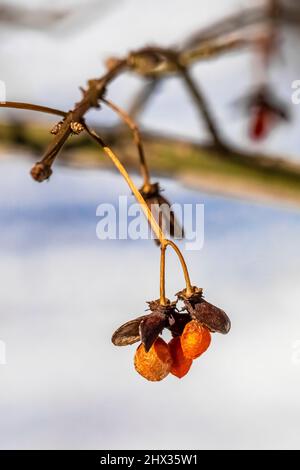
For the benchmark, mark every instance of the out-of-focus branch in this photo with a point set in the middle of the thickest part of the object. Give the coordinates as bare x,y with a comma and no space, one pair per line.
143,96
202,107
224,36
156,63
211,49
244,19
56,20
29,17
225,26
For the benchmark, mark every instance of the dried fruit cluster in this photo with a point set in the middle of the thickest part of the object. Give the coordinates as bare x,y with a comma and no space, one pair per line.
191,328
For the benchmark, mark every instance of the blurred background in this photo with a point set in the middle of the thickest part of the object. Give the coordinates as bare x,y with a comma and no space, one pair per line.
63,292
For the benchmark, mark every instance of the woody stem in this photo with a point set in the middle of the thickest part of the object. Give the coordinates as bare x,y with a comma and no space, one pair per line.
136,136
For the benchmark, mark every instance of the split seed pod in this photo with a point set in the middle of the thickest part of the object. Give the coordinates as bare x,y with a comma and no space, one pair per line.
205,313
146,328
129,333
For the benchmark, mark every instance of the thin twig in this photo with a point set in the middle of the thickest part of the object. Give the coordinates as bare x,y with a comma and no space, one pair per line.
154,225
91,96
149,216
33,107
189,287
136,136
162,297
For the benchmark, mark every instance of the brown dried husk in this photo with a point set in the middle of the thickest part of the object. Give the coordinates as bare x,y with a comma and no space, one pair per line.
128,333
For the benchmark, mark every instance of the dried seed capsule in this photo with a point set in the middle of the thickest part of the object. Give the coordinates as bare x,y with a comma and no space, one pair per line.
146,328
151,327
156,364
211,316
128,333
180,363
195,339
177,322
208,314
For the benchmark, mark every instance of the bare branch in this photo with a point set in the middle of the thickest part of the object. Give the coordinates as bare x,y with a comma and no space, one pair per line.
155,63
91,96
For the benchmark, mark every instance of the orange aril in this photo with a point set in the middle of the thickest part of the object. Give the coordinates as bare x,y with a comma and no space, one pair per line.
180,363
155,364
195,339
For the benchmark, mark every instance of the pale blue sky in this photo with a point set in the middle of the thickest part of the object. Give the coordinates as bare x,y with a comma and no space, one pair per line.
63,292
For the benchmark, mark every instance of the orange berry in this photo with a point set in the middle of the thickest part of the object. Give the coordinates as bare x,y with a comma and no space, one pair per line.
195,339
180,363
155,364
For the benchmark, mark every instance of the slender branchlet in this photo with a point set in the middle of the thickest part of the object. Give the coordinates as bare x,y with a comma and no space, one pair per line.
137,139
33,107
